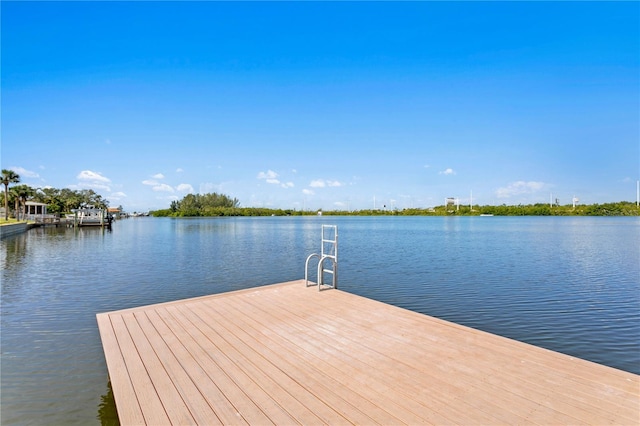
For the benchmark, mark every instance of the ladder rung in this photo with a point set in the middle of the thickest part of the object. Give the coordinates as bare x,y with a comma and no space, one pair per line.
330,271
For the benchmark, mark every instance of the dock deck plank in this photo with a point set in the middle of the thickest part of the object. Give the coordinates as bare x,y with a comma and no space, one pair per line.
126,398
287,354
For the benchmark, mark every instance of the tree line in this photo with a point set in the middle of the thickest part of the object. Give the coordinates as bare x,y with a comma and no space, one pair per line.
622,208
222,205
57,200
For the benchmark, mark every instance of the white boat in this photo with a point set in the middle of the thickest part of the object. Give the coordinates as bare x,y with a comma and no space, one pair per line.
89,216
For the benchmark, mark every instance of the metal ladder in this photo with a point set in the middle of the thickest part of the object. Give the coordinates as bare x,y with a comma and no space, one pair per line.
328,251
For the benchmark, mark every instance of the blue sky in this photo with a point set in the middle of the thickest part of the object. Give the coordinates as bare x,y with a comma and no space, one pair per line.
324,105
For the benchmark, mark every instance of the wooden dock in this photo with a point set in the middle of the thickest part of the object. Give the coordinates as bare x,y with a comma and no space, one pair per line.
287,354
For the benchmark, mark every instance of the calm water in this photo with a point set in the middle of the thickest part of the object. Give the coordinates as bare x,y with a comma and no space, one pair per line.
567,284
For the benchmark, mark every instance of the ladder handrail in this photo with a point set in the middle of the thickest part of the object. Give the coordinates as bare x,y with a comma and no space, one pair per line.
322,257
306,268
333,272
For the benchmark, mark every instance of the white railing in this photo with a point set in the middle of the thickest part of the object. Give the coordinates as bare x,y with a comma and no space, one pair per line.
42,218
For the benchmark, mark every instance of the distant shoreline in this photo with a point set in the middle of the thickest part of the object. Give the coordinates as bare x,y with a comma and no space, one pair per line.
623,208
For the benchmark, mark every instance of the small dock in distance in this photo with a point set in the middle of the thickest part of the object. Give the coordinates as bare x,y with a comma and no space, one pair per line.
289,354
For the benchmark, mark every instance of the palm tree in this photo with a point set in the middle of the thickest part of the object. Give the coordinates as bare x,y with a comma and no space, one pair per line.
23,193
13,193
8,177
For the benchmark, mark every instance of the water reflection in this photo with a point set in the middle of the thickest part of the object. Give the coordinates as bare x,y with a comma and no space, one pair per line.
107,413
12,252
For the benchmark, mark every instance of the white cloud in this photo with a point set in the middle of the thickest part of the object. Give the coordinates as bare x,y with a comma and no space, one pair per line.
426,166
163,187
98,186
179,170
158,176
116,197
157,186
519,188
184,187
321,183
339,204
287,185
269,174
90,185
307,192
89,176
208,187
447,172
92,180
24,173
